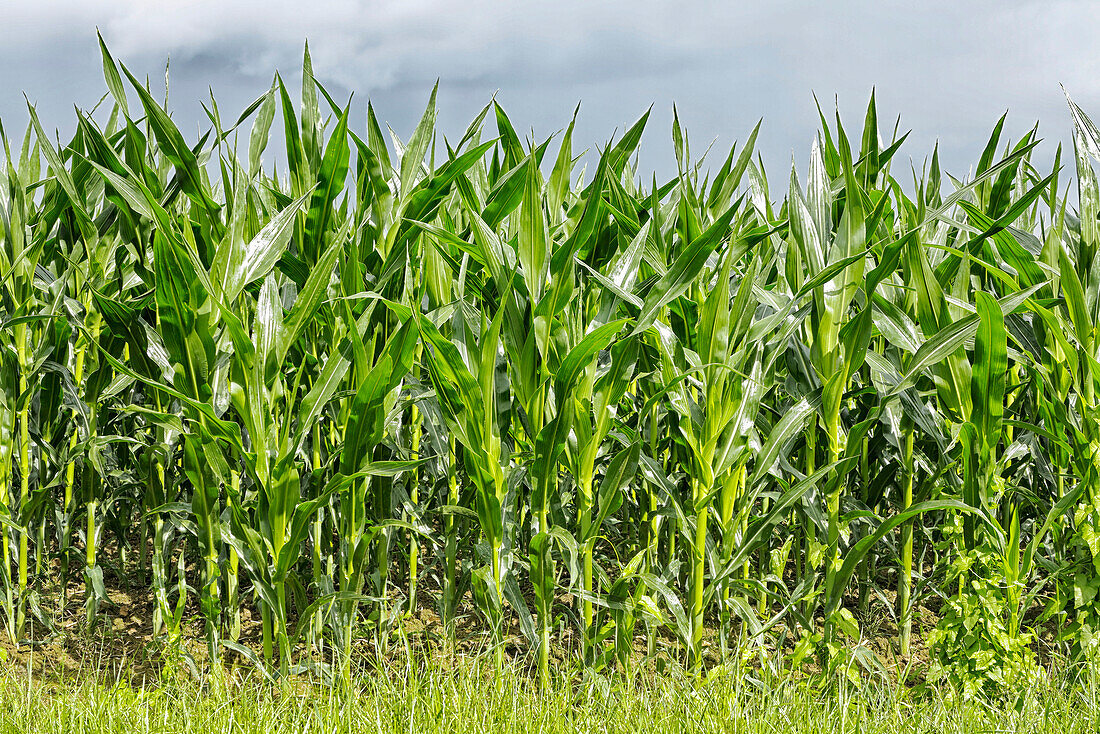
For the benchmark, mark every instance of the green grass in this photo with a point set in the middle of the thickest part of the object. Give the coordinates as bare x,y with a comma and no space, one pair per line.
471,697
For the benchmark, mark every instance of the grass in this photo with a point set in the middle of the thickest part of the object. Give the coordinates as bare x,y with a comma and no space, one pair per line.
469,695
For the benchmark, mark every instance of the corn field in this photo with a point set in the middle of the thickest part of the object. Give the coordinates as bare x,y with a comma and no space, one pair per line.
563,408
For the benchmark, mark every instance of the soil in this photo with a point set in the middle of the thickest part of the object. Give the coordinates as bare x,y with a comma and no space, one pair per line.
120,644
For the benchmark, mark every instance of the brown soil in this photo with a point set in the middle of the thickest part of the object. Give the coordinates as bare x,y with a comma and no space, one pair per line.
121,645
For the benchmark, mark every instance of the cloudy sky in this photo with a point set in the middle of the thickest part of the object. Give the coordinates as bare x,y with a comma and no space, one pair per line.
949,69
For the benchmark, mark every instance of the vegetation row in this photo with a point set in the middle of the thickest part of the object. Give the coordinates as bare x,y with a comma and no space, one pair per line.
554,403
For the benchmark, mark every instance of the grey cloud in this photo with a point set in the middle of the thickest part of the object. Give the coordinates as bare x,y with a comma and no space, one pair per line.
948,68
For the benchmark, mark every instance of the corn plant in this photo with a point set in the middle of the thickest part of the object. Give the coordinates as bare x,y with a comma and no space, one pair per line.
390,376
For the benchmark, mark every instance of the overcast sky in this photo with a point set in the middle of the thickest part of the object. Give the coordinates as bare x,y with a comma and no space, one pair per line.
949,69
